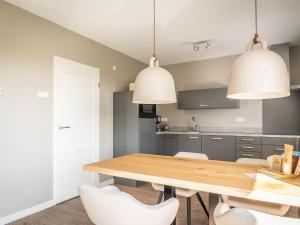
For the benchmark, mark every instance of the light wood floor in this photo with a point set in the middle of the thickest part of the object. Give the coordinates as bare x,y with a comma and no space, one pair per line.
72,212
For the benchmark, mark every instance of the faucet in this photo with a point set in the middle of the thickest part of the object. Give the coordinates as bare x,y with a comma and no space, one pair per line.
195,124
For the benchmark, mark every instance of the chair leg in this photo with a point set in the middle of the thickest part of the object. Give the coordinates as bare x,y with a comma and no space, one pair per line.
202,204
188,211
161,194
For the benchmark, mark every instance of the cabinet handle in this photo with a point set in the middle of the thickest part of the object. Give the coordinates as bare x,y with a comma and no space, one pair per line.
247,139
247,155
217,138
247,147
204,105
194,137
279,149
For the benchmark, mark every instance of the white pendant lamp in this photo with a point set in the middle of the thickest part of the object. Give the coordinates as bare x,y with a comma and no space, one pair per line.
154,85
258,74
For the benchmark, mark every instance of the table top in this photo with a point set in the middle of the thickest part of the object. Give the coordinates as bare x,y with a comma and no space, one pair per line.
219,177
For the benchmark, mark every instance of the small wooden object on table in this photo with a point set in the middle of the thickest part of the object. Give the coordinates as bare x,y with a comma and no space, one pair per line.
274,173
281,166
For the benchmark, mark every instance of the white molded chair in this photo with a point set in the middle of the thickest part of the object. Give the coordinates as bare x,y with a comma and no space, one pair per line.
265,207
185,192
224,215
110,206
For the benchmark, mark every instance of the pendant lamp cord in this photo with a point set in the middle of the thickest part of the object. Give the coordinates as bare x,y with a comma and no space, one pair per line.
154,30
255,41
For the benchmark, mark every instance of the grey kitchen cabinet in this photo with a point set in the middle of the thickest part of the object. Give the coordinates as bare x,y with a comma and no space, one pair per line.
224,147
131,134
285,119
189,143
170,144
160,144
279,141
125,124
219,147
268,150
275,145
206,99
248,148
248,140
248,154
148,141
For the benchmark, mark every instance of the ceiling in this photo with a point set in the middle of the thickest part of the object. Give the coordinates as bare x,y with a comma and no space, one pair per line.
127,25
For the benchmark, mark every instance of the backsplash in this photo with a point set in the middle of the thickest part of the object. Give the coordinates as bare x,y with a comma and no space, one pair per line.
216,120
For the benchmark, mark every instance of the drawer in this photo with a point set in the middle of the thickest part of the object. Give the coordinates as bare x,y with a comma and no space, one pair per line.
268,150
278,141
248,147
248,140
242,154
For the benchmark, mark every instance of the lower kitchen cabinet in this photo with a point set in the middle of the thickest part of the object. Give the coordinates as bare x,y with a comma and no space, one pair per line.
279,141
268,150
170,144
248,154
223,147
189,143
248,147
275,145
219,147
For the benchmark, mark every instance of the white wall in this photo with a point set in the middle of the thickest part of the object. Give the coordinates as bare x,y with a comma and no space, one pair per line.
27,46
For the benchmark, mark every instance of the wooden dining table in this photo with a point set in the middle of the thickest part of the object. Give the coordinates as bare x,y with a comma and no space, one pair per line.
214,177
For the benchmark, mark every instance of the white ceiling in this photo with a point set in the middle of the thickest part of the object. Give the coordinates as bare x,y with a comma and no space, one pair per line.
126,25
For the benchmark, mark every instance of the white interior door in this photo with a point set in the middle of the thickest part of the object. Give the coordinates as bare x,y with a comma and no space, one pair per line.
76,126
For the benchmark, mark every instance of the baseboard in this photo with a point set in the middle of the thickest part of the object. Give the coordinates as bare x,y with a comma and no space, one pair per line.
26,212
40,207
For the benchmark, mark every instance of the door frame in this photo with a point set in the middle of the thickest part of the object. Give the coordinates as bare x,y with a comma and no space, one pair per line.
55,122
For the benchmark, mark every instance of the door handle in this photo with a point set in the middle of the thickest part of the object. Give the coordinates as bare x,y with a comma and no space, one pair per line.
64,127
279,149
194,137
203,105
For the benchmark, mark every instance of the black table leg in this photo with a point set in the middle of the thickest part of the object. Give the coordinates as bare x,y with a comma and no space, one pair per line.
213,201
170,192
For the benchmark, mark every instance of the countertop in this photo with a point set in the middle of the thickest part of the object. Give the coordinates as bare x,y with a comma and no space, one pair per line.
227,133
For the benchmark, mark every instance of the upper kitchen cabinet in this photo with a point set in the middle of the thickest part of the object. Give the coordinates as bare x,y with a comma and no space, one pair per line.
206,99
281,115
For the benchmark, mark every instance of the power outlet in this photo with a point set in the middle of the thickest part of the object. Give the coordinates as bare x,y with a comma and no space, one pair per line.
164,119
1,91
240,119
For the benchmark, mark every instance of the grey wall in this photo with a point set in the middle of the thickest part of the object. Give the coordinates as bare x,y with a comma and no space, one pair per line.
210,73
27,46
295,65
